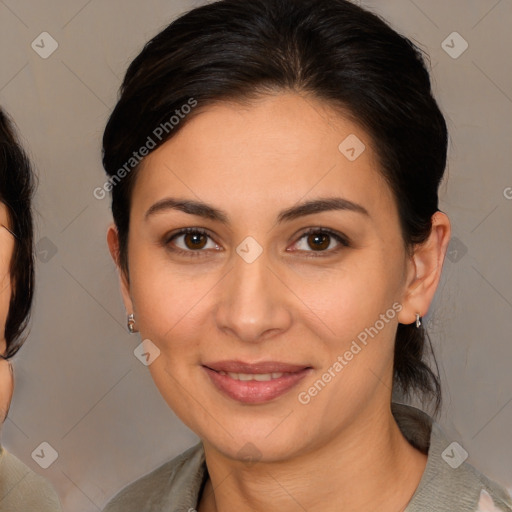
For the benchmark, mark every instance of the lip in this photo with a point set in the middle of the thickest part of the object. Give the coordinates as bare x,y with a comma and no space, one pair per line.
253,391
235,366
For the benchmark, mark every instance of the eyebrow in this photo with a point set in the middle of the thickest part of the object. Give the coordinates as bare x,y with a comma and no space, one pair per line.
207,211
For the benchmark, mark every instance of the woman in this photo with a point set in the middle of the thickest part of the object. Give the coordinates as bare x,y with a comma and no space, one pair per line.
20,488
274,168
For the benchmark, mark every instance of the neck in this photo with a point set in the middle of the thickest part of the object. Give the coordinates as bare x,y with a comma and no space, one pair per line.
368,466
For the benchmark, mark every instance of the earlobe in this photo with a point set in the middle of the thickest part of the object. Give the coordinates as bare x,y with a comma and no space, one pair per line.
427,260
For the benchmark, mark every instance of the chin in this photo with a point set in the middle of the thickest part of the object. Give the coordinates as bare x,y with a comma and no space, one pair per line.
258,442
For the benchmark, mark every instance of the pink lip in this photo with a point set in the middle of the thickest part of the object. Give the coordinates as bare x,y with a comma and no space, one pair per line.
255,392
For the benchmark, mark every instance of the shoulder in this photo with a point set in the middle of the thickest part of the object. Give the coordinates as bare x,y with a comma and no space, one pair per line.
452,484
23,489
448,483
174,485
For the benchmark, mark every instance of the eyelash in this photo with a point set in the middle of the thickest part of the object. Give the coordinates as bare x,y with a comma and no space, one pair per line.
341,239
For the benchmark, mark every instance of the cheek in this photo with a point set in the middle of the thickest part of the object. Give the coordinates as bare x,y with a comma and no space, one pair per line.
168,302
170,308
350,297
163,301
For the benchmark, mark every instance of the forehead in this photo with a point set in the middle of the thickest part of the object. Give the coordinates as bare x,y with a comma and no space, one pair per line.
274,150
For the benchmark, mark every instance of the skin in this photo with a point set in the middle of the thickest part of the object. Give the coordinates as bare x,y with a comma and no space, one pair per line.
6,251
293,304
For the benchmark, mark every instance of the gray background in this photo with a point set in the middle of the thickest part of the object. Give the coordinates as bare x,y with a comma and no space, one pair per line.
79,386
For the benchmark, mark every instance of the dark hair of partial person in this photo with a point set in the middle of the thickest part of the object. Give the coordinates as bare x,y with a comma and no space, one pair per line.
16,189
333,50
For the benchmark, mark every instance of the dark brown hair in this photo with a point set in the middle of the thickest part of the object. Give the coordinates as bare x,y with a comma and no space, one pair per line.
332,49
16,189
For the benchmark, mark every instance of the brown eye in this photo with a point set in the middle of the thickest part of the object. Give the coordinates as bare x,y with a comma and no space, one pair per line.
191,242
319,241
195,240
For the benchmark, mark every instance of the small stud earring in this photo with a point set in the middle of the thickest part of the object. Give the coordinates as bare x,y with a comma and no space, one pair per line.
418,321
131,324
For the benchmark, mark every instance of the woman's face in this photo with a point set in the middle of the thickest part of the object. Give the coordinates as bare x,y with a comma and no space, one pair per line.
6,251
254,295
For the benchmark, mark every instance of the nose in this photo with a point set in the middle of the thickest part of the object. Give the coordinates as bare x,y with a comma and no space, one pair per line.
254,304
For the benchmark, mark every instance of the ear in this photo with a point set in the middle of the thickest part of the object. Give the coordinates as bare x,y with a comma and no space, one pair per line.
113,245
424,273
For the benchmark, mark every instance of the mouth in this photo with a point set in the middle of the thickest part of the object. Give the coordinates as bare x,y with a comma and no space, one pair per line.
260,377
255,383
